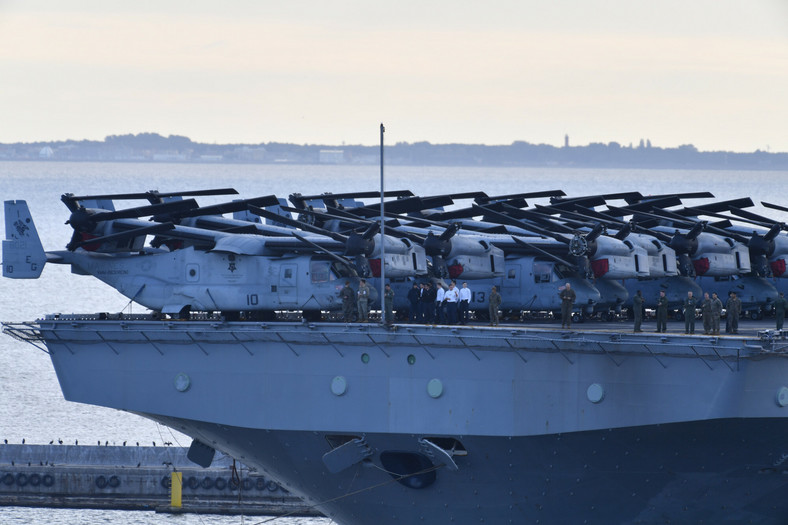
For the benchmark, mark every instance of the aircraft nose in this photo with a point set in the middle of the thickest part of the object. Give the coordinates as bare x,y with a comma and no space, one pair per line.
587,295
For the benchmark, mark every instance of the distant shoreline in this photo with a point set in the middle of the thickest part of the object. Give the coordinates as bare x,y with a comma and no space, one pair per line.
151,147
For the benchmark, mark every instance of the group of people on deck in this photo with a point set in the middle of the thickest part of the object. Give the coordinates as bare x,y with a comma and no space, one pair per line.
429,304
445,305
711,312
450,305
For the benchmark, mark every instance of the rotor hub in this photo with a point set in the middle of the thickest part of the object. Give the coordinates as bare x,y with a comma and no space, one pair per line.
578,245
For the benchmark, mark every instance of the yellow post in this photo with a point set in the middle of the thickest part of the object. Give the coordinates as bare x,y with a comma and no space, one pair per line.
175,489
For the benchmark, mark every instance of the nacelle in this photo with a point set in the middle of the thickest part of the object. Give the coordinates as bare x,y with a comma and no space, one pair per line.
778,259
718,256
614,259
661,257
402,259
474,259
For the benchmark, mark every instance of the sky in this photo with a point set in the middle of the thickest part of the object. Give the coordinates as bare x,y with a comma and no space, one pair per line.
712,73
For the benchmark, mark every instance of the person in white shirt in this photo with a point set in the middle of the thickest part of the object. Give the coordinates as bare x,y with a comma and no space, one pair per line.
439,314
452,297
465,301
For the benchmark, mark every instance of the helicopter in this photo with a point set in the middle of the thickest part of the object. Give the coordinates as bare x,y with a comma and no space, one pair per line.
217,271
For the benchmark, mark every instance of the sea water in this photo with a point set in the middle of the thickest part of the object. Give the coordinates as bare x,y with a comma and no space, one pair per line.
31,404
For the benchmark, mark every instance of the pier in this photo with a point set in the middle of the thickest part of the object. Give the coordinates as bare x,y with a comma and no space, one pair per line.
136,478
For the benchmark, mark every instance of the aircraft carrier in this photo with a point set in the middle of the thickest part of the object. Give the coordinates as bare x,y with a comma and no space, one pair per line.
438,421
457,424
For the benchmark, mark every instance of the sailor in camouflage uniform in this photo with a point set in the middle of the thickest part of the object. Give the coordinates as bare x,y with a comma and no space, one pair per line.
363,302
733,309
662,312
348,296
716,313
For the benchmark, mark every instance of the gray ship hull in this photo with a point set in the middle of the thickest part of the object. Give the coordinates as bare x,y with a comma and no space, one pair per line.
697,472
459,424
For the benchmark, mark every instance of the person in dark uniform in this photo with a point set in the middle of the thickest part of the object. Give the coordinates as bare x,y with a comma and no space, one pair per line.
637,310
662,312
716,313
689,313
414,295
428,303
705,308
780,305
568,297
733,309
362,301
348,296
388,304
495,303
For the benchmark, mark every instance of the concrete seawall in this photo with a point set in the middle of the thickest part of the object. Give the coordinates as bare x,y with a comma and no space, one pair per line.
135,477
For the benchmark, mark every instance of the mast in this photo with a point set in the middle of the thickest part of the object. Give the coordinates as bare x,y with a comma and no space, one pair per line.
382,234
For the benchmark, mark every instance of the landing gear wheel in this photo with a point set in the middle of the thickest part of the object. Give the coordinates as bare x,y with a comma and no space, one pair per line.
312,316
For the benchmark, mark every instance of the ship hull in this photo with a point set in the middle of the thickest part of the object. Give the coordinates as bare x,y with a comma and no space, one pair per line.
696,472
459,424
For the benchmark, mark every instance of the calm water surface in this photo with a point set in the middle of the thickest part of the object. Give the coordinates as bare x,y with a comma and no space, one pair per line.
32,407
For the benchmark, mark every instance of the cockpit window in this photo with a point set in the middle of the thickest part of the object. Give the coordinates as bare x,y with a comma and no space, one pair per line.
320,271
562,271
543,272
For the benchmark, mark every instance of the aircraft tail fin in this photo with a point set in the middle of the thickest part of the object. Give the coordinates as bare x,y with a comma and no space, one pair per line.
23,253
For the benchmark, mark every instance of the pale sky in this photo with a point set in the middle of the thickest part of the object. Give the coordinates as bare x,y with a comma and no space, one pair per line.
713,73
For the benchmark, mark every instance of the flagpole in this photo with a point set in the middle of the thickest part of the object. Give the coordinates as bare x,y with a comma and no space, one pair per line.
382,235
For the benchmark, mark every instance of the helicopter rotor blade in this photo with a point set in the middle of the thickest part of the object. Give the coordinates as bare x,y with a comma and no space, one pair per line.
297,198
115,237
228,207
533,216
716,207
341,216
543,252
144,211
521,224
343,260
754,218
152,195
527,195
745,217
691,195
775,206
296,224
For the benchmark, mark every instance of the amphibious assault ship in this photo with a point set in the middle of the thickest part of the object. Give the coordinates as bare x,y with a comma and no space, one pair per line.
403,422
